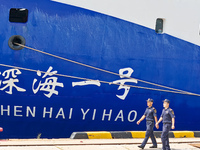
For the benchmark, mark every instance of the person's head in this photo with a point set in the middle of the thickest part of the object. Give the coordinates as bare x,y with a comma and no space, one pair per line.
149,102
166,103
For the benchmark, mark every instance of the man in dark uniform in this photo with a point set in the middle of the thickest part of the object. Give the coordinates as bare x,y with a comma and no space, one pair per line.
168,118
151,115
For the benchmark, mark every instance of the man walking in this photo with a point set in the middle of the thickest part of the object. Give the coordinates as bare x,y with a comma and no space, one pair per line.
151,116
168,118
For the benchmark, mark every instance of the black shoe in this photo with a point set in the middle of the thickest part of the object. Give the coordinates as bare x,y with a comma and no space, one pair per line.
141,147
153,146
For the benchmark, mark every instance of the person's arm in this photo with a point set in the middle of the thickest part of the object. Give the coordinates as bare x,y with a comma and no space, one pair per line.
156,120
142,118
161,118
157,126
155,115
173,122
173,118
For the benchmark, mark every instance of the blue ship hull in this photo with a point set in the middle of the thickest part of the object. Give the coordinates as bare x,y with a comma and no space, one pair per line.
98,40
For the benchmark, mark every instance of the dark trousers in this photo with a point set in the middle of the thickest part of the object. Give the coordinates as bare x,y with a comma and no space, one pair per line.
149,133
165,136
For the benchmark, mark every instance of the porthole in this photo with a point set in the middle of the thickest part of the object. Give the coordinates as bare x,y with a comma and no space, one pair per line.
18,15
159,26
16,39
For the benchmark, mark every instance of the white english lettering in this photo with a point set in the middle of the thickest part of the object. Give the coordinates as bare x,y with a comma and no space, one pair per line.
60,113
5,110
16,110
84,113
29,111
70,113
120,116
47,112
109,115
94,114
129,115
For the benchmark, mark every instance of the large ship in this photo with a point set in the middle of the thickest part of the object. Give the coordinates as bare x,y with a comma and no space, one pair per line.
85,65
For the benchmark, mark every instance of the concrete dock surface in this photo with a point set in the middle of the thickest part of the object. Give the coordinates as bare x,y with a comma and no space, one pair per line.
94,144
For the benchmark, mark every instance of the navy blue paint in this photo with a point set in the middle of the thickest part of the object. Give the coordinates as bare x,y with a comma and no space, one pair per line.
100,41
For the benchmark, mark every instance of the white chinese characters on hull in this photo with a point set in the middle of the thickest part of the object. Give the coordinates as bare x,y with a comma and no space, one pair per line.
49,85
123,74
10,76
123,81
49,82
